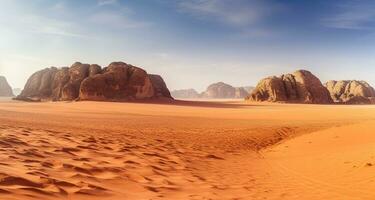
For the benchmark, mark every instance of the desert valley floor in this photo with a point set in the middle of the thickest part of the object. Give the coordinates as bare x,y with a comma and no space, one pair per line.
186,150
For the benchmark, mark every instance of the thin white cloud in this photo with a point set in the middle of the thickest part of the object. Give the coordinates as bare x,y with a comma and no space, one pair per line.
115,19
235,12
44,25
107,2
356,15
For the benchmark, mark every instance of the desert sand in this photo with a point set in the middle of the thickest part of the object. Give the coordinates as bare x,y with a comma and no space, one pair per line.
186,150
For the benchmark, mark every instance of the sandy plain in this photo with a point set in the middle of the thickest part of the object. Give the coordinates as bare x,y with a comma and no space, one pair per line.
186,150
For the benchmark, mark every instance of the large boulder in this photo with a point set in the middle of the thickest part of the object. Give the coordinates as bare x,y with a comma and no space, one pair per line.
5,89
117,82
185,94
300,87
350,91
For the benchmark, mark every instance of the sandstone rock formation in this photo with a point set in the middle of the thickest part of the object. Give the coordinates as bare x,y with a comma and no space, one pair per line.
5,89
117,82
218,90
160,88
222,90
249,89
300,87
240,93
185,94
351,91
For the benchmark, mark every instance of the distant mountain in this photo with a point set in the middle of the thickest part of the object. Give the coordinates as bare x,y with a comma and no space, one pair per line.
5,89
185,94
249,89
219,90
17,91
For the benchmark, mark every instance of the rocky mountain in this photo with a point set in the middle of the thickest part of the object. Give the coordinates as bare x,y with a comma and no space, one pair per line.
222,90
185,94
240,93
218,90
300,87
117,82
249,89
351,91
5,89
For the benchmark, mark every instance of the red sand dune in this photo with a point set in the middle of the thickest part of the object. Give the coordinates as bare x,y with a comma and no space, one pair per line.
186,150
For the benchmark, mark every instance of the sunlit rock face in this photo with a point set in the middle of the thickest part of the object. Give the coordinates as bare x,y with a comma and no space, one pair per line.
300,87
351,91
117,82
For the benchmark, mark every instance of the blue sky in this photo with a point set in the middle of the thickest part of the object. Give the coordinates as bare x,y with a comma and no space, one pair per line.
191,43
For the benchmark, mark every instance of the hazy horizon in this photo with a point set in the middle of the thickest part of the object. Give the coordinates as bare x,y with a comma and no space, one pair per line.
191,44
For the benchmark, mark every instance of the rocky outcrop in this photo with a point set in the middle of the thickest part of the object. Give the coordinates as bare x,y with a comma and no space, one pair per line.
351,91
222,90
240,93
117,82
249,89
185,94
218,90
300,87
5,89
160,88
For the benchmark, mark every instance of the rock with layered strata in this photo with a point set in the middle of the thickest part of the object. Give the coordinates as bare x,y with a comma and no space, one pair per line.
117,82
300,87
351,91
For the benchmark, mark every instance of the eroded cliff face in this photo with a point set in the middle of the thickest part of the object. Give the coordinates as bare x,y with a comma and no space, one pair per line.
117,82
5,89
351,91
300,87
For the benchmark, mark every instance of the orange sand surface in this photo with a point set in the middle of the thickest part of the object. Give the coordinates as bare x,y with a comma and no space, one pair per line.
186,150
